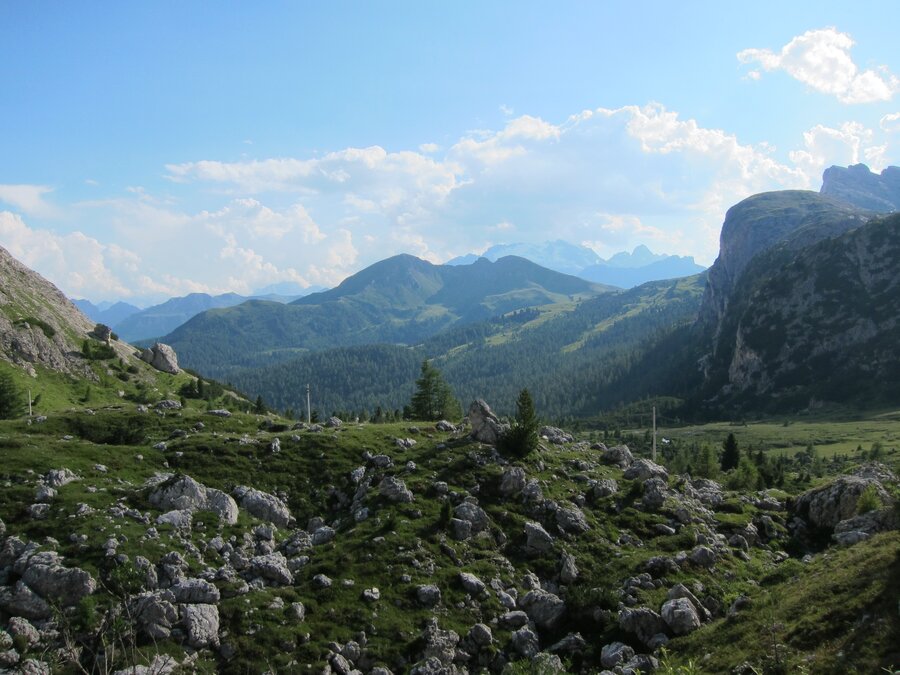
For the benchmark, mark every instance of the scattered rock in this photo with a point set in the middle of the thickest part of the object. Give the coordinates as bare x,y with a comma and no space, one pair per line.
162,357
486,426
395,490
538,539
680,615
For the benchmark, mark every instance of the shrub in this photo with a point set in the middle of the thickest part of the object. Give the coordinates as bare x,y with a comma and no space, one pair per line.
11,401
868,500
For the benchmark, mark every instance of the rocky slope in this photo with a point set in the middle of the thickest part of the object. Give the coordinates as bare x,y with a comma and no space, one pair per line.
39,326
858,186
234,544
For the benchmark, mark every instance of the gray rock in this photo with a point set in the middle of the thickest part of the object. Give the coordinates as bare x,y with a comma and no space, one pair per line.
642,621
486,427
532,492
642,469
162,357
439,644
572,519
321,581
555,435
167,404
22,628
395,490
334,423
525,642
703,556
371,594
544,608
460,529
826,506
618,455
655,493
474,514
514,619
512,482
60,585
471,583
264,506
180,519
605,487
275,445
201,623
428,595
272,567
614,654
680,615
44,494
323,535
56,478
568,570
481,635
571,643
537,538
154,614
195,591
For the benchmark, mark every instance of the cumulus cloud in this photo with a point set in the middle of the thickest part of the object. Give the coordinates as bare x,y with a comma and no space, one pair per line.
850,143
821,59
29,199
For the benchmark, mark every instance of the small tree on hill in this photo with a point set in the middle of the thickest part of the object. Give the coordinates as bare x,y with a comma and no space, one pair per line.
731,456
11,401
522,437
433,399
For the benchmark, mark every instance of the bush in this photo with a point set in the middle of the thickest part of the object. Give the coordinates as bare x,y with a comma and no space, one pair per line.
868,500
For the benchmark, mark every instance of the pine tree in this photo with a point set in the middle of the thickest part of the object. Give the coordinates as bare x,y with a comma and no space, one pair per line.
731,456
11,401
259,407
522,437
433,399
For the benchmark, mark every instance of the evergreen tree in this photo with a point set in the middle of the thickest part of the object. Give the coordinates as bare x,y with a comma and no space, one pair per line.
11,401
522,437
259,407
433,398
730,455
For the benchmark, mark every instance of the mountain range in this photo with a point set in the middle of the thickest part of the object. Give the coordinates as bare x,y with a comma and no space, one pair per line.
623,269
761,343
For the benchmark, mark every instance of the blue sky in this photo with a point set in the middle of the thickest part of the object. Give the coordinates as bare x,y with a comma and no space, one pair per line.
154,149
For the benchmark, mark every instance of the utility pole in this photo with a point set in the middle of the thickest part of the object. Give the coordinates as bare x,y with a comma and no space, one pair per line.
654,433
29,402
308,410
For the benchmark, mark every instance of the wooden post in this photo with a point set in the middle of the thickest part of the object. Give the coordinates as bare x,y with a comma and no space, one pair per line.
308,410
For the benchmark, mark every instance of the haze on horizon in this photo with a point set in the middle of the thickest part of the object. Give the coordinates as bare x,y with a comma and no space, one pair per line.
156,149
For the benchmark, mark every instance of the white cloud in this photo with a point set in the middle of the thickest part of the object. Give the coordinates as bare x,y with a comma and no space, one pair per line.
890,123
821,59
29,199
824,146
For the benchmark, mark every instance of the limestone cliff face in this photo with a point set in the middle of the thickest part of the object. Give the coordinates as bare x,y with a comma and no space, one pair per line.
39,326
858,186
789,218
819,324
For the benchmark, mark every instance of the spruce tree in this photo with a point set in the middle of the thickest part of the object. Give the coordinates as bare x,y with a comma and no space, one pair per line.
522,437
731,456
433,398
11,401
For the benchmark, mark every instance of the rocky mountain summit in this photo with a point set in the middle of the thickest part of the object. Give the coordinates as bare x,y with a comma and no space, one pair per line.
859,186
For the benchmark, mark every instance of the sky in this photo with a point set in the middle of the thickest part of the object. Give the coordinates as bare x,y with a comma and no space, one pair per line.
154,149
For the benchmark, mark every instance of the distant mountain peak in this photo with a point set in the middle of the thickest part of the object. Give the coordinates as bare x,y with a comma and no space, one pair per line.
859,186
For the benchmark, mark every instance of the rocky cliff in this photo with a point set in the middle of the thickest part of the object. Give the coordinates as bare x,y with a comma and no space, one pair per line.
858,186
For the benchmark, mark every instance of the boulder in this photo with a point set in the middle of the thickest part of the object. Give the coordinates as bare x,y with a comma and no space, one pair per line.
680,615
395,490
512,482
201,623
618,455
154,614
272,567
428,595
544,608
264,506
615,654
20,600
655,493
643,469
642,622
195,592
824,507
56,478
525,642
537,538
605,487
472,513
60,585
568,570
702,556
162,357
439,644
555,435
571,519
471,583
486,426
